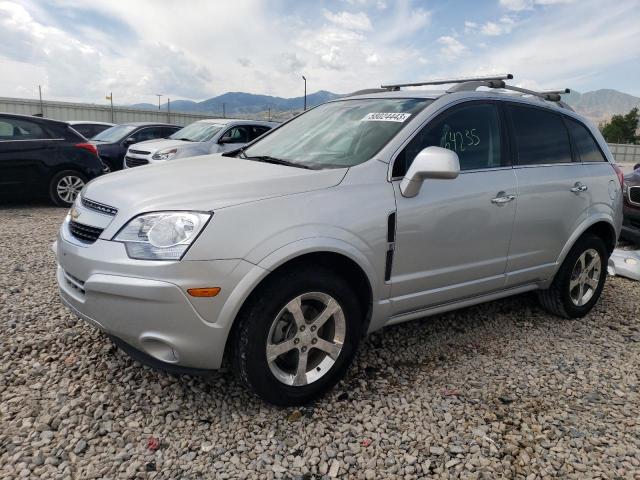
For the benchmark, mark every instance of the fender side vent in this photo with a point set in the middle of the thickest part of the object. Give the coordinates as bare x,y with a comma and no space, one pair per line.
391,227
388,265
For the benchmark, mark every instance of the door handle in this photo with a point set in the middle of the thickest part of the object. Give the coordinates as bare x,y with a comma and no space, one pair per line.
579,187
502,198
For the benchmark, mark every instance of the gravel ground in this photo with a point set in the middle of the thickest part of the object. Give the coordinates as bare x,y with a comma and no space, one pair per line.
500,390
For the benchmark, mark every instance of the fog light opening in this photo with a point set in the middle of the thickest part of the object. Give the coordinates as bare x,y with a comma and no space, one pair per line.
159,349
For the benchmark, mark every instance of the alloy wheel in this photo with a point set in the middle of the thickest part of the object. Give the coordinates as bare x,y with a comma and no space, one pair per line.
585,277
305,339
68,187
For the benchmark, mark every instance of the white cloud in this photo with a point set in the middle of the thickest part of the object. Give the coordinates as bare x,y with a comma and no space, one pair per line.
451,47
504,26
350,21
518,5
373,59
470,27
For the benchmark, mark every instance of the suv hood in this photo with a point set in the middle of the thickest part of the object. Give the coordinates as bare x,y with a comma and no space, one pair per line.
203,183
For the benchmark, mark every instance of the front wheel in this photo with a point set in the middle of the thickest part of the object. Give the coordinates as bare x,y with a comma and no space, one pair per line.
297,336
65,187
579,281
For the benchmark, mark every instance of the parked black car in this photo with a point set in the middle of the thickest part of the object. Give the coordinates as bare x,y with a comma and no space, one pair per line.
112,144
631,221
89,129
42,157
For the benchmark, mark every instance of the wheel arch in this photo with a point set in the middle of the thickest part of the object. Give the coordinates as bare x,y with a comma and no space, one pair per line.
601,226
332,254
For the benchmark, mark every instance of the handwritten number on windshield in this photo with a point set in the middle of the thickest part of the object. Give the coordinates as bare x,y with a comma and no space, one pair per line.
459,140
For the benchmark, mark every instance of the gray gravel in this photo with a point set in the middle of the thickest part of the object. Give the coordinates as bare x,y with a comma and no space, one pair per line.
501,390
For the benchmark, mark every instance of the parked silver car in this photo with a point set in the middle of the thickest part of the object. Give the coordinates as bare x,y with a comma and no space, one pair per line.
214,135
363,212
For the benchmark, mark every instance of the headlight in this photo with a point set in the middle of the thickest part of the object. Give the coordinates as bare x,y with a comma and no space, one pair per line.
161,235
166,154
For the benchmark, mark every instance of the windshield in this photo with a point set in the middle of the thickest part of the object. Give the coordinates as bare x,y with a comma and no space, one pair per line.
114,134
197,132
338,134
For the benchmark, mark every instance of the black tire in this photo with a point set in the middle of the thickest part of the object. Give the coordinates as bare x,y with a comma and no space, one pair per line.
261,311
557,298
55,195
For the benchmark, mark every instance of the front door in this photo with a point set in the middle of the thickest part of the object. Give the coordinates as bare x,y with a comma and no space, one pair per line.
452,239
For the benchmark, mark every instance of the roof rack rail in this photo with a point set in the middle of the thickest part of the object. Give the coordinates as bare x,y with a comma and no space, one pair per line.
444,81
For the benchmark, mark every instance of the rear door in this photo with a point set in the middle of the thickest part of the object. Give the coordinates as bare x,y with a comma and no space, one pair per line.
553,194
452,239
25,149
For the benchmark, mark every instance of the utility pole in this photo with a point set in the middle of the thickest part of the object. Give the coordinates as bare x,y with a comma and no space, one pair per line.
41,104
168,110
269,113
110,97
158,95
224,110
305,92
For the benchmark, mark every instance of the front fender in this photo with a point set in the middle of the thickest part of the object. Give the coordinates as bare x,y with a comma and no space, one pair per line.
289,252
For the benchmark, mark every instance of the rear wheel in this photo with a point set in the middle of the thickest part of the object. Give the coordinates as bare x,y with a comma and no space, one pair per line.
579,281
297,336
65,186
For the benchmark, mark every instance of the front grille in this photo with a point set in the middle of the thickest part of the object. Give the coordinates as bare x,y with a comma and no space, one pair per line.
634,195
135,162
74,282
86,233
139,152
98,207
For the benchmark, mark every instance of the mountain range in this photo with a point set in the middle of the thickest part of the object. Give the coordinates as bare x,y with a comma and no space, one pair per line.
244,103
597,105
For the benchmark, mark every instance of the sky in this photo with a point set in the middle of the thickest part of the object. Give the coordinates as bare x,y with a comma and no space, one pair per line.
197,49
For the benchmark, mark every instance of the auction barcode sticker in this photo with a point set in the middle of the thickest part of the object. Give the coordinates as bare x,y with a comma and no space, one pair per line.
385,117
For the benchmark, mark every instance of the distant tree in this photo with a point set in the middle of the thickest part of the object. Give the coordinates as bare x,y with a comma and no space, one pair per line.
622,128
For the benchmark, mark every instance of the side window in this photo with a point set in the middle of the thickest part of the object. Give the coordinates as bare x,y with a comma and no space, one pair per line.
255,131
14,129
148,133
540,135
166,131
236,135
584,143
472,131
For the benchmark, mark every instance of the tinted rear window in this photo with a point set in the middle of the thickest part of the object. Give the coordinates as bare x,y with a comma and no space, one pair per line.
541,137
586,146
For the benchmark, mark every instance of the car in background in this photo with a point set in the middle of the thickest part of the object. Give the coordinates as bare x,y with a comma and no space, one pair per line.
89,129
216,135
631,221
42,157
113,142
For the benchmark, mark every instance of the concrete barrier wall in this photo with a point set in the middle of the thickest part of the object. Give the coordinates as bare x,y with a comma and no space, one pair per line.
67,111
625,153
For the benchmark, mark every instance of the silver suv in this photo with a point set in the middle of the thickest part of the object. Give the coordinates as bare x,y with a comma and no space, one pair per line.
363,212
215,135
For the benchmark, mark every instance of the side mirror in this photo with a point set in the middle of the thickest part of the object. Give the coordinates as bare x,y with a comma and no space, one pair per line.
224,140
636,166
129,140
432,162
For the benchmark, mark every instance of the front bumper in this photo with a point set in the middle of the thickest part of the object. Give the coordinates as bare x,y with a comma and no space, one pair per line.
146,304
631,224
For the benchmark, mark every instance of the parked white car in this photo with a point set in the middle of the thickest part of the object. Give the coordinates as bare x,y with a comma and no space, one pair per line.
216,135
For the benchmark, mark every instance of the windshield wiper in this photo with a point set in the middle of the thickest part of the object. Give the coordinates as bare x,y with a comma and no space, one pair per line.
278,161
185,139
